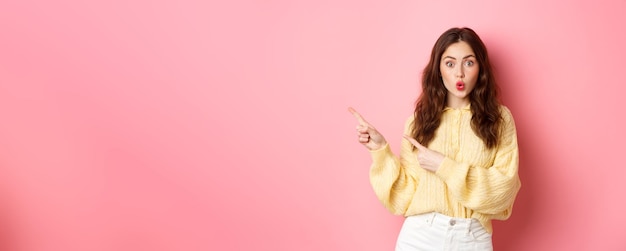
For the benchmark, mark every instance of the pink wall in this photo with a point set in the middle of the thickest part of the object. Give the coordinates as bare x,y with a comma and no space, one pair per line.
185,125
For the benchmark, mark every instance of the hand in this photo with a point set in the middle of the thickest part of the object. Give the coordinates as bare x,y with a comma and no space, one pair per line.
368,135
428,159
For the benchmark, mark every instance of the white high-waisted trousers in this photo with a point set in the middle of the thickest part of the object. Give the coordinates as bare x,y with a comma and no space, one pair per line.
438,232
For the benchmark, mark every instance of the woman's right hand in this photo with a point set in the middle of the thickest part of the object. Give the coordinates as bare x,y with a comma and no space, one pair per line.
368,135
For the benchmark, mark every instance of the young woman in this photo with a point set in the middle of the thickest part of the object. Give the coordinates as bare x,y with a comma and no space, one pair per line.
458,164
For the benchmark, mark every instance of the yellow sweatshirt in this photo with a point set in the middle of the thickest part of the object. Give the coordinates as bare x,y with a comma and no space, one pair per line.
471,182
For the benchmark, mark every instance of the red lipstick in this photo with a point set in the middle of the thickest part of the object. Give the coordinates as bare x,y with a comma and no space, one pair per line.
460,85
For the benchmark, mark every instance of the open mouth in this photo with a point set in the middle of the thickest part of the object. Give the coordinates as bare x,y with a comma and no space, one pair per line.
460,85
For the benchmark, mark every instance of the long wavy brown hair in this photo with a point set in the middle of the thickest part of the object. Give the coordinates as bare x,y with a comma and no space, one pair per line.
484,103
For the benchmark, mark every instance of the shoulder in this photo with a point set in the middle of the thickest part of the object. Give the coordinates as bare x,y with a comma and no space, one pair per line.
409,123
506,114
507,118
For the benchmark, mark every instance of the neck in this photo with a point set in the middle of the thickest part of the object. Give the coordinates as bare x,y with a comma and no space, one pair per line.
456,103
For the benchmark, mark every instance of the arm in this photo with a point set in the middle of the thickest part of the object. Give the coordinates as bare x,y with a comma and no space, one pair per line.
393,184
488,190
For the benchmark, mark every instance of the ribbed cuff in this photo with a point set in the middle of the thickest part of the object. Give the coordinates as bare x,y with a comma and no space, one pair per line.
447,168
379,155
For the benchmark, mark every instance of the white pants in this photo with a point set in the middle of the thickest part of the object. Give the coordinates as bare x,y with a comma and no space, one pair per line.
435,231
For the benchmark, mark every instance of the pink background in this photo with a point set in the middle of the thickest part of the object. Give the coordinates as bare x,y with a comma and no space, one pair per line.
187,125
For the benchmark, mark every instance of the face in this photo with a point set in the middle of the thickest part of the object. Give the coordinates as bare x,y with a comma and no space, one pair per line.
459,71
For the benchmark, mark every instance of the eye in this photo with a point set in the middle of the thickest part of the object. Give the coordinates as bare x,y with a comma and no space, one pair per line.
469,63
449,64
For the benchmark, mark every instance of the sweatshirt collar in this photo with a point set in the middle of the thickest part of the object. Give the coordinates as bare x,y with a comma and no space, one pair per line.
465,108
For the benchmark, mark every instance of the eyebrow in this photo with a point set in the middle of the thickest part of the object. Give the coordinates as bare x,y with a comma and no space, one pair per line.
468,56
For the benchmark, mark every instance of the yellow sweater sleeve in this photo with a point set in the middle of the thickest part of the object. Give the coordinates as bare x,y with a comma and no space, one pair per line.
393,183
487,189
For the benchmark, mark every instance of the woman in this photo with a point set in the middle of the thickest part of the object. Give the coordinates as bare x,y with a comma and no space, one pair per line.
458,164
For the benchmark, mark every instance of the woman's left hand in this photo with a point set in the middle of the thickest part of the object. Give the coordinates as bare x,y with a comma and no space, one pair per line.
428,159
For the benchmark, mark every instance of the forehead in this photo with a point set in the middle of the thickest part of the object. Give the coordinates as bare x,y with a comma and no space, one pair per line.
457,50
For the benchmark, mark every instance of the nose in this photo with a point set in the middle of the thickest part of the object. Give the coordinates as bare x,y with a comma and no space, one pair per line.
459,71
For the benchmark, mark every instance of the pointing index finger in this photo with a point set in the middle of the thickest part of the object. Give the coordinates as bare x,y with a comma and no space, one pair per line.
413,141
357,115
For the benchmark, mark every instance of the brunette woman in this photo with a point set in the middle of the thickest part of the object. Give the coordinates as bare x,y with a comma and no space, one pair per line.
458,165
